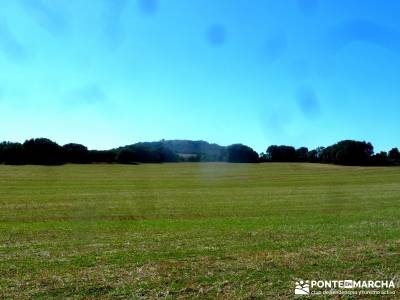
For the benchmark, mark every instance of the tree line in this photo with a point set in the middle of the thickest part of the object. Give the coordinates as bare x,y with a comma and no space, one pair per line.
346,152
42,151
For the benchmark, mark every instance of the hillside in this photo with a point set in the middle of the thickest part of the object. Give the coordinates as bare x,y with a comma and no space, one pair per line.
188,149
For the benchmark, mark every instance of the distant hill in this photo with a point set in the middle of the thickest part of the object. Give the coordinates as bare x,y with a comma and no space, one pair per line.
192,147
200,150
186,149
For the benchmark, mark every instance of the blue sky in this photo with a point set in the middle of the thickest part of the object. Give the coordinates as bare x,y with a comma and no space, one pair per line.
107,73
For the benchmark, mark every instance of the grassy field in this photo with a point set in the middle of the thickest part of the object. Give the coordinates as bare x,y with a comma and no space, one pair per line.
194,230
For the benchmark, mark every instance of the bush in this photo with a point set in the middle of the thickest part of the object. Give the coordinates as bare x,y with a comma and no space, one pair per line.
126,156
75,153
12,153
102,156
42,151
239,153
348,152
281,153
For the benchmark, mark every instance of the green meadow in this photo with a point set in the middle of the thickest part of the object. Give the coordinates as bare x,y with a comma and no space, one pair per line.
194,230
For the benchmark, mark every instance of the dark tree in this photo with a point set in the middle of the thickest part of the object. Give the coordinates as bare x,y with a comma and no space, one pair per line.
348,152
193,158
312,156
380,159
149,152
394,154
263,157
239,153
167,155
42,151
12,153
281,153
102,156
302,154
75,153
126,156
316,155
2,147
320,152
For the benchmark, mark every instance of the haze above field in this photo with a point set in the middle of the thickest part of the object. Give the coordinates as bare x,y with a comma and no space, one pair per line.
104,73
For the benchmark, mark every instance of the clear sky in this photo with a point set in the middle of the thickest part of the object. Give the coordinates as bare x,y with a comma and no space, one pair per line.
107,73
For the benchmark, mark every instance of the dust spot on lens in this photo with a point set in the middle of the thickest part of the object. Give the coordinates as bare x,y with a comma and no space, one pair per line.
308,102
307,7
216,35
365,31
148,6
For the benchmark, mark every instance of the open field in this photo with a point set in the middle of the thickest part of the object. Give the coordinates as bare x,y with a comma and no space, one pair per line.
194,230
